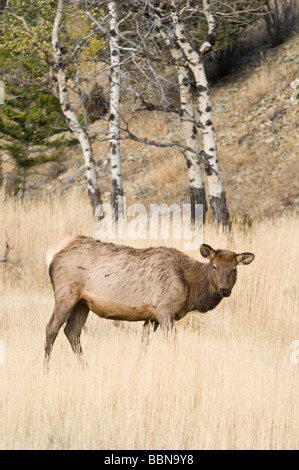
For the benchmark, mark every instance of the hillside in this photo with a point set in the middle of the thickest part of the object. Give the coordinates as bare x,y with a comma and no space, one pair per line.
257,131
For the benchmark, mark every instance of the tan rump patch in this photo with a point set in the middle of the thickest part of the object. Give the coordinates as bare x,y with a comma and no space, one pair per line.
52,252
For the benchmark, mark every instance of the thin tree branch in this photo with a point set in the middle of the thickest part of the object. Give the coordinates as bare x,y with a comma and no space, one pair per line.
23,81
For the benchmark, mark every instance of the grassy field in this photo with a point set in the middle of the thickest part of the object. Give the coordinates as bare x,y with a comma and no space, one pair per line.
226,382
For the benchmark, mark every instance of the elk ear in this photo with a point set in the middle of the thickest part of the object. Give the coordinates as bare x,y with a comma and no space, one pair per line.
245,258
207,251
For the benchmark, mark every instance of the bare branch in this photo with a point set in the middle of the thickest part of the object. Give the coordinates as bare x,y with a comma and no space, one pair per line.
211,37
98,24
24,81
148,106
83,41
202,155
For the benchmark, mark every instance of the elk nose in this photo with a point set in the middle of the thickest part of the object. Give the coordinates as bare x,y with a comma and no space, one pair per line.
224,292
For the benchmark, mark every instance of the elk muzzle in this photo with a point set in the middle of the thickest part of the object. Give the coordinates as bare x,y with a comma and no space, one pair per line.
224,292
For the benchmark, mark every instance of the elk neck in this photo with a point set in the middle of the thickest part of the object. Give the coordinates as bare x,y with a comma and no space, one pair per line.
202,294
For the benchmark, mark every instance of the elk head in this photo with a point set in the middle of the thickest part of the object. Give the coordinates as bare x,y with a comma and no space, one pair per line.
223,272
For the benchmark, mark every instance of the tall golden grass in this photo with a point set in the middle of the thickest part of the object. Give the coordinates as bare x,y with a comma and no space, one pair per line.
225,382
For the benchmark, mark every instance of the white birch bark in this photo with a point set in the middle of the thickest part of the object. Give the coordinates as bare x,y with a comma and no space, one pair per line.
209,152
197,190
70,115
114,118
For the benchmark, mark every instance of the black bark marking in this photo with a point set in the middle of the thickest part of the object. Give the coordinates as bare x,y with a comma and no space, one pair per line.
219,209
185,81
116,191
198,196
208,167
211,38
113,148
94,196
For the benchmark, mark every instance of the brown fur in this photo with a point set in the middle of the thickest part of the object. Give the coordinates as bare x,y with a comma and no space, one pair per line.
156,285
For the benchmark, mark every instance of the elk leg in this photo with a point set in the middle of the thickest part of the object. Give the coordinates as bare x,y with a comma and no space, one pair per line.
74,325
147,327
166,321
59,316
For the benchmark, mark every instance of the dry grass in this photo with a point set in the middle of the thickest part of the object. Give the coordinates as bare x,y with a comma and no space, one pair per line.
225,383
259,86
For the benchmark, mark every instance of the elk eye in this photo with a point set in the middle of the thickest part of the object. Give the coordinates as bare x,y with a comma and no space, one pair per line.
214,267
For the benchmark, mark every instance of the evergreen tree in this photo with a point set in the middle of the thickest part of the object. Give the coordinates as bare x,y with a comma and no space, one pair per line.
28,119
29,57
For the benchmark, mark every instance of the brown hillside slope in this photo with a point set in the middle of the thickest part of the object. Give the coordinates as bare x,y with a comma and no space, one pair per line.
257,129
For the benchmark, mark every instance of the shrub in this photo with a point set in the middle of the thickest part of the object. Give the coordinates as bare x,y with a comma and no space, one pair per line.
280,18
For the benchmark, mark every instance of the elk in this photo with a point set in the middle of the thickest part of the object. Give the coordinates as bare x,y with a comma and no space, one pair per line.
156,285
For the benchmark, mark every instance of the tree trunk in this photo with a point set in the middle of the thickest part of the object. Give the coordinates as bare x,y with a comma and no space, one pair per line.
114,118
24,170
71,118
196,186
197,190
209,152
23,181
